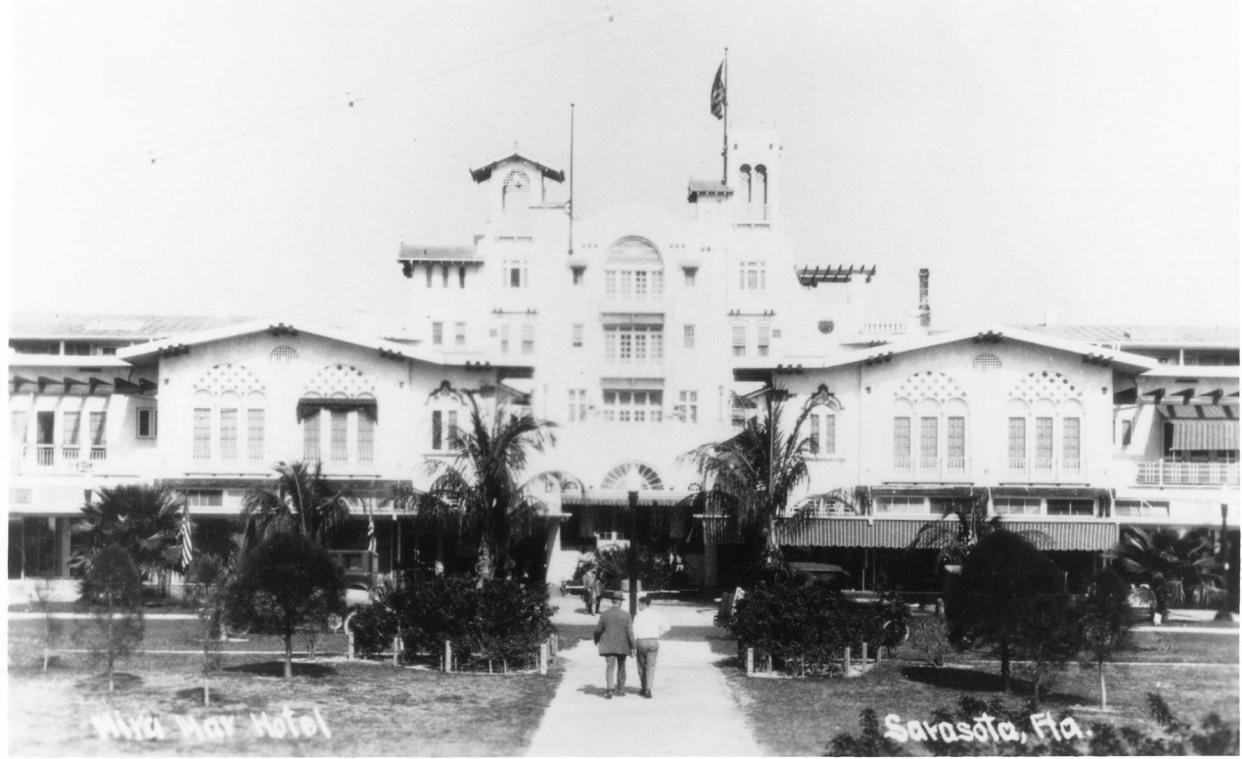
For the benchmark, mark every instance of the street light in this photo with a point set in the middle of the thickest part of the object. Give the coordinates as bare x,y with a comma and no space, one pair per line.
632,485
1226,610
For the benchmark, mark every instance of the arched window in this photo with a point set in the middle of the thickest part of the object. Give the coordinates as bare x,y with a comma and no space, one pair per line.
631,474
929,426
1045,427
515,194
338,405
985,361
229,416
633,270
761,172
283,354
744,177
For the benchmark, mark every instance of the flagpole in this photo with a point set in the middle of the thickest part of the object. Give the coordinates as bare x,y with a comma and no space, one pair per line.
571,179
724,151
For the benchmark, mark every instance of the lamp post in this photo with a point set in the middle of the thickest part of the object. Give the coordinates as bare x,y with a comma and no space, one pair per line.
1226,609
632,551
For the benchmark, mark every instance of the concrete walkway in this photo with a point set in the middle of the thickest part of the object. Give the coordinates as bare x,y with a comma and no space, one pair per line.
693,712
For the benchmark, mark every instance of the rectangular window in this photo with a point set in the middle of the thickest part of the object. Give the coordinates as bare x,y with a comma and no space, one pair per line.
577,336
18,432
437,430
459,334
688,276
528,338
625,353
640,285
254,434
444,275
1127,429
577,272
610,346
310,436
764,338
928,438
577,405
752,276
515,274
147,423
901,438
1043,438
1142,508
739,340
228,433
195,498
77,349
504,338
813,437
99,428
1017,441
1022,506
687,406
71,428
452,431
830,434
687,336
637,406
461,277
955,447
428,272
901,504
610,284
338,435
1070,450
202,433
1067,507
366,438
437,333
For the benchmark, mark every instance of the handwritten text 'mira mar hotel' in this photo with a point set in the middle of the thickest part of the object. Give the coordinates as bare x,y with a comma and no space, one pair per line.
145,726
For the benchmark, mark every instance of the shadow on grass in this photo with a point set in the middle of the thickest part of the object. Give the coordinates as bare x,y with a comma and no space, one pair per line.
975,681
121,681
277,669
195,695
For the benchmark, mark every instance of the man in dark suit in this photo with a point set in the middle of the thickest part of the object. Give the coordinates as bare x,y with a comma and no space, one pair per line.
614,635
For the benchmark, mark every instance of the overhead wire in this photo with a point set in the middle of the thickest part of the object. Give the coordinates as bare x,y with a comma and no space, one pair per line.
354,96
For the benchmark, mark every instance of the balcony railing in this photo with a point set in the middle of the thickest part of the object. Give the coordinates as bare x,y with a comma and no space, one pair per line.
63,458
931,467
1163,473
1044,468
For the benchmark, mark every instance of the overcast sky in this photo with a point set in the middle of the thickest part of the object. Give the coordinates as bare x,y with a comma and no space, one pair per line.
194,157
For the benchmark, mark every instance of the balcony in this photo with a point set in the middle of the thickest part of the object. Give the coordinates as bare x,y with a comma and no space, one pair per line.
1205,474
932,468
62,459
1043,469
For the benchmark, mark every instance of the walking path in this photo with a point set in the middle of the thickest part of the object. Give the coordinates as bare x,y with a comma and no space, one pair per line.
693,712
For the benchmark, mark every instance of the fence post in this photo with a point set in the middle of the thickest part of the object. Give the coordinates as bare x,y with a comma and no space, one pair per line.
543,658
750,661
448,656
879,652
396,649
864,656
846,656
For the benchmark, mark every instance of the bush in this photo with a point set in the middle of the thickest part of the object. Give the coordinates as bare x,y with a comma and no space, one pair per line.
373,628
929,637
653,569
501,621
810,624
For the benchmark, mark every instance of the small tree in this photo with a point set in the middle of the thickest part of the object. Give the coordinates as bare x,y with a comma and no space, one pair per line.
286,582
41,595
1010,596
113,590
208,576
1105,621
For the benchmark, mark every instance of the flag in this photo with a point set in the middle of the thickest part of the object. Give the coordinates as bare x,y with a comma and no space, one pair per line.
187,543
718,93
371,534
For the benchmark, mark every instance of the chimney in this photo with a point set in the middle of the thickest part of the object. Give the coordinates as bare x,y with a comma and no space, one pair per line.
924,305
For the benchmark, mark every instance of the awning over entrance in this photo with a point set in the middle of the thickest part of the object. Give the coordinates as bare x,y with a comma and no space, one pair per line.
622,498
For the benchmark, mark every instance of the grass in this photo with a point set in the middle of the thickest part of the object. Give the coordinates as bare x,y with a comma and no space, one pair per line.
372,708
801,716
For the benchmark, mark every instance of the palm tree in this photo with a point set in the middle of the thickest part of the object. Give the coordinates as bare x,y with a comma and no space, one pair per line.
955,534
1177,568
480,488
750,476
143,520
300,501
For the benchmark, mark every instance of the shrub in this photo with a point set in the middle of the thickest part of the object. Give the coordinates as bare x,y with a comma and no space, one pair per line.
653,569
929,637
373,628
501,621
810,624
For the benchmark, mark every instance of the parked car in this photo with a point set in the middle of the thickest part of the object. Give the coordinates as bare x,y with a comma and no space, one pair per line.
357,590
811,572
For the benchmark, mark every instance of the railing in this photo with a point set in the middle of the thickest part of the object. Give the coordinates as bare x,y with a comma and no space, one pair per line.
1188,473
931,467
63,458
884,328
1044,468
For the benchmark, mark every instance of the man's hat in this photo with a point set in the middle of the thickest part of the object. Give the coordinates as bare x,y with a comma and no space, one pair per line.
615,595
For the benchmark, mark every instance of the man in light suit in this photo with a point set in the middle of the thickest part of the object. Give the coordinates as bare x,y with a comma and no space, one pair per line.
614,635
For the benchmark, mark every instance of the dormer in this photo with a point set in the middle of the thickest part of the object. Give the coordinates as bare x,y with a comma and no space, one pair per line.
516,184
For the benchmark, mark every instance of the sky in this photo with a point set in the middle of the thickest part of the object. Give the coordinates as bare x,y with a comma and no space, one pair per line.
1076,161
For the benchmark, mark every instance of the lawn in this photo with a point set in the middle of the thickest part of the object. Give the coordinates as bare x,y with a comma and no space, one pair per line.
370,708
801,716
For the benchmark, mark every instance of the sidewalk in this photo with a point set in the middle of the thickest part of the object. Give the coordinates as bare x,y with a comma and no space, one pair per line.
693,712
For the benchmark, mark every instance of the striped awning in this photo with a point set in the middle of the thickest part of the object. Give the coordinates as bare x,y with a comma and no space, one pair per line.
875,532
622,498
1204,434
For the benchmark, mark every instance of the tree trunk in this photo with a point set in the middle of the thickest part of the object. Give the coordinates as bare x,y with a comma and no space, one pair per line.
1004,653
1103,687
485,565
288,654
111,646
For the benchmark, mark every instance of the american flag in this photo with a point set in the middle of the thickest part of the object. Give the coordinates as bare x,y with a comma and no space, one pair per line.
718,93
371,534
187,543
